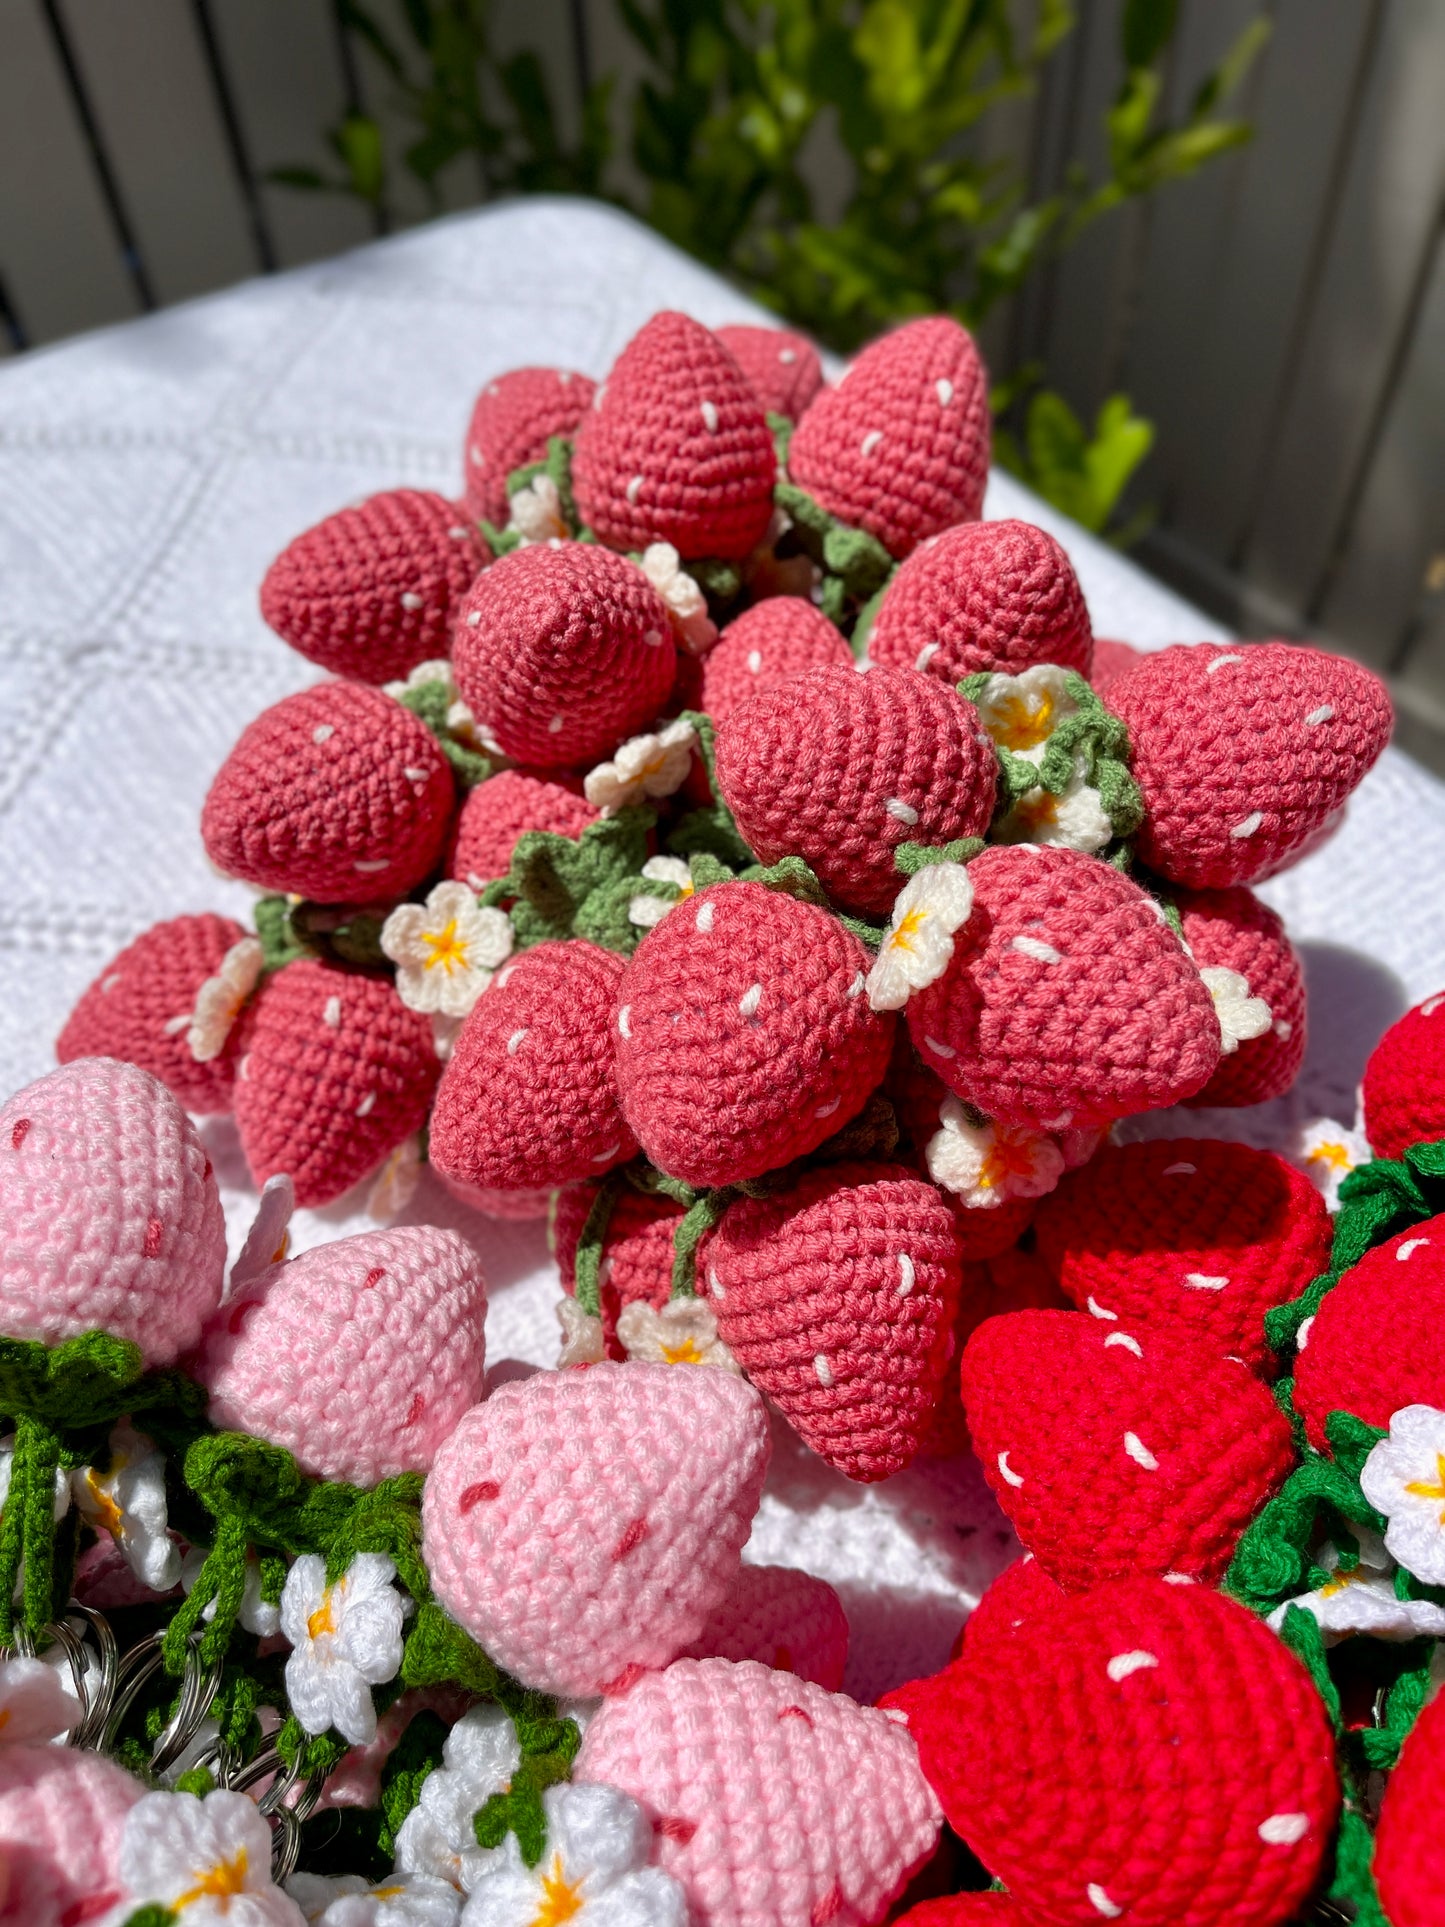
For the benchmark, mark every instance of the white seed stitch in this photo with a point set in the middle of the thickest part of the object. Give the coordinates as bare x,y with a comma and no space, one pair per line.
1180,1170
332,1013
823,1369
715,1284
938,1049
634,489
1284,1829
415,775
1431,1005
1201,1281
1006,1471
1247,825
1313,721
1302,1336
173,1026
370,866
1178,1578
323,733
598,398
787,356
1283,1027
364,1108
855,989
503,975
606,1157
1123,1339
410,599
750,999
564,375
706,911
925,655
907,1277
1139,1452
1100,1901
514,1042
108,984
1122,1664
1220,662
755,661
243,1069
871,440
474,618
709,416
1099,1311
823,1110
624,1020
653,638
1410,1247
458,532
945,390
1059,1123
1039,951
556,726
478,454
901,811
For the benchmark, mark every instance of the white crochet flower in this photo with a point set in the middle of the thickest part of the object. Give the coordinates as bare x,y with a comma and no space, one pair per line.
221,999
935,902
1240,1015
459,719
1363,1600
436,1839
128,1501
652,765
256,1615
347,1639
646,911
536,512
37,1700
1073,820
684,1332
400,1900
594,1871
208,1860
446,949
438,670
1022,712
1404,1477
1327,1151
582,1340
987,1164
394,1186
686,603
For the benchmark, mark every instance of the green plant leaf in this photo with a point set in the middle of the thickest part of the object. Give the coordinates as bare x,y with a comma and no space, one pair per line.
1146,29
358,143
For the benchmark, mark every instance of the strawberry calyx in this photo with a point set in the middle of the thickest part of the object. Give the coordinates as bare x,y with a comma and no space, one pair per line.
433,703
291,928
556,468
559,886
856,566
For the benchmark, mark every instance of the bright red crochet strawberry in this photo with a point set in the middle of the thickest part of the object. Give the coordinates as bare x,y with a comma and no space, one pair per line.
983,595
947,1433
637,1250
771,643
1147,1752
529,1099
900,446
503,808
744,1037
838,1298
1245,753
964,1910
372,591
1068,1000
781,368
1019,1280
839,769
336,793
1189,1232
515,417
1404,1084
675,448
1409,1864
1020,1593
561,653
1232,930
1377,1343
140,1008
335,1072
1111,660
1116,1450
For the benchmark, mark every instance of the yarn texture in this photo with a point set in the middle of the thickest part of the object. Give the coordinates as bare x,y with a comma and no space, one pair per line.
637,1251
1233,930
781,368
1409,1852
503,808
1110,661
771,643
1020,1593
61,1816
514,418
1404,1083
783,1618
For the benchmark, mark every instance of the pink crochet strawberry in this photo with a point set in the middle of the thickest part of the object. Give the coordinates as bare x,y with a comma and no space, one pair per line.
781,368
514,418
675,448
1190,1232
1245,753
583,1524
1404,1083
336,793
983,595
503,808
1068,999
781,1617
744,1037
372,591
774,1803
359,1357
637,1250
1117,1451
838,1297
771,643
900,447
529,1098
112,1216
1148,1752
141,1007
62,1813
1409,1864
839,769
335,1072
1111,660
561,653
1232,930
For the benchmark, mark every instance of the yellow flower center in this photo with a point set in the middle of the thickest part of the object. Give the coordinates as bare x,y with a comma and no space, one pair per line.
105,1511
446,947
686,1353
1424,1489
1023,721
220,1883
909,926
321,1621
1334,1155
1006,1157
561,1898
1038,810
1340,1580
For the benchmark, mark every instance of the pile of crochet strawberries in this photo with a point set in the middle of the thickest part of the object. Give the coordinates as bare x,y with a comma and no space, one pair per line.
714,833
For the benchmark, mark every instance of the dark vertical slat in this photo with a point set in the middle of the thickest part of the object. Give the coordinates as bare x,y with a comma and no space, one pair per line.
581,47
10,323
236,145
352,97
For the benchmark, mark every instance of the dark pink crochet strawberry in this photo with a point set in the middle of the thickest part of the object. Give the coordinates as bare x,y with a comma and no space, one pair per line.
1112,659
1245,753
336,793
744,1035
140,1009
838,1298
372,591
515,416
561,653
1120,1450
1232,930
503,808
839,769
335,1072
528,1099
781,368
1068,1000
637,1250
983,595
770,643
1404,1083
900,447
675,447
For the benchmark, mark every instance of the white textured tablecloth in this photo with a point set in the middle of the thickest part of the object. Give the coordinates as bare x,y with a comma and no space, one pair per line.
148,475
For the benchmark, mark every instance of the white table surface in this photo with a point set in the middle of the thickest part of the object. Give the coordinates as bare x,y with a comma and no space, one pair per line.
149,473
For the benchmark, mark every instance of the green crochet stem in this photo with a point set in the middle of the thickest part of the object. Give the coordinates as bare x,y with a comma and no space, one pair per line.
781,430
587,1264
910,858
709,831
280,943
855,564
559,886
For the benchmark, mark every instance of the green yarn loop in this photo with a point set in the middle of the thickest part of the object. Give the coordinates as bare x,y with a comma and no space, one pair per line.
587,1264
561,886
855,564
910,858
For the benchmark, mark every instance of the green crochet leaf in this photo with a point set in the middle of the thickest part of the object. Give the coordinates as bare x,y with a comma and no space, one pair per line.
431,702
87,1382
910,858
560,886
416,1756
280,943
549,1746
849,557
1272,1561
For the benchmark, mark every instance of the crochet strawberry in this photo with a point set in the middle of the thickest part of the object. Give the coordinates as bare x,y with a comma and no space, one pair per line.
675,448
1116,1451
774,1803
983,595
336,793
1019,1280
370,592
839,769
771,643
1148,1752
964,1910
780,1617
744,1038
838,1297
637,1250
781,368
1020,1593
1409,1863
1189,1232
140,1009
1232,930
583,1524
515,417
1245,753
561,653
62,1815
1375,1344
1068,1000
335,1073
900,447
503,808
1111,660
1404,1083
